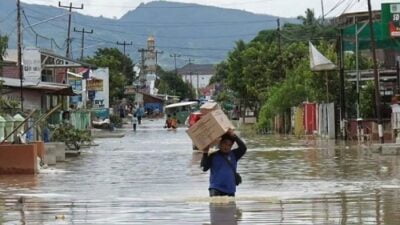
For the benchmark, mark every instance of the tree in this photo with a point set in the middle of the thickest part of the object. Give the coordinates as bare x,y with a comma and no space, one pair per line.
309,19
121,70
259,73
3,48
3,45
171,84
367,101
4,103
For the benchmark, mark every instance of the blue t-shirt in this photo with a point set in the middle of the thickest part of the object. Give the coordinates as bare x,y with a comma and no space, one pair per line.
222,176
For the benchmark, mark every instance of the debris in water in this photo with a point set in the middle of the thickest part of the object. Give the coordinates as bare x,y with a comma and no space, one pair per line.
60,217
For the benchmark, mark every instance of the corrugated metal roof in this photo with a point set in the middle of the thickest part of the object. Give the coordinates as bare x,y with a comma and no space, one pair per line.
55,88
201,69
11,55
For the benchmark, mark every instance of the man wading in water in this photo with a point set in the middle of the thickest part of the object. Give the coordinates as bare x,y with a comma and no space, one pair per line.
223,164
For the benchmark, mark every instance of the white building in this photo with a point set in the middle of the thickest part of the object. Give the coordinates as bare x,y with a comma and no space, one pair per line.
198,75
102,98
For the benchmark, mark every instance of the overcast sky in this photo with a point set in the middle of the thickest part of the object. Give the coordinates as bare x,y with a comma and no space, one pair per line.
282,8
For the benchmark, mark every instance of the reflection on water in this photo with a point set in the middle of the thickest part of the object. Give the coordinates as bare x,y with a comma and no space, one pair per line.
18,181
153,177
224,214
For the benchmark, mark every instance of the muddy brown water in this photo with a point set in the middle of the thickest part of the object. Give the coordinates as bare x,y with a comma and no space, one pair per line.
153,177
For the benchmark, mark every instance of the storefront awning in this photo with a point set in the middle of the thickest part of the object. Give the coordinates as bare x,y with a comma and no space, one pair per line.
46,87
75,75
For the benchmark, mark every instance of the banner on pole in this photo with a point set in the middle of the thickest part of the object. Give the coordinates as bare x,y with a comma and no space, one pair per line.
32,65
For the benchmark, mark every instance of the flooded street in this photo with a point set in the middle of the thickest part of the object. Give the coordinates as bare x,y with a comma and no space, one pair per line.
153,177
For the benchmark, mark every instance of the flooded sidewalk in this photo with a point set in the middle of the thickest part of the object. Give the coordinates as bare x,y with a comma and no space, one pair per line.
152,176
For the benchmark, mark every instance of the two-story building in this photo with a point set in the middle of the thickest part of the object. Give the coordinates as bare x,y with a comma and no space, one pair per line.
198,75
45,77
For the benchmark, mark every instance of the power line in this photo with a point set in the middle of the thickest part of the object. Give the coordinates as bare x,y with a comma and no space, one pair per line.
161,36
12,31
168,37
83,38
110,43
338,4
351,4
175,56
8,16
19,47
39,35
171,47
124,44
206,23
201,56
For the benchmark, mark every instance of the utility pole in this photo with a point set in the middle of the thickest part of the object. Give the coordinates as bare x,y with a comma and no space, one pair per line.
376,75
157,52
124,44
281,72
190,60
341,76
323,13
175,56
197,85
278,21
19,44
83,38
70,7
124,62
398,75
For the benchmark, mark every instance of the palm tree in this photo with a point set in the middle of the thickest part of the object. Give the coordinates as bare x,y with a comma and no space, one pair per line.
309,19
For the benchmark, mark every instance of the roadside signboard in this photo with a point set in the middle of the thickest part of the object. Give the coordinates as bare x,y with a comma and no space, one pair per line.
391,19
95,85
394,24
32,65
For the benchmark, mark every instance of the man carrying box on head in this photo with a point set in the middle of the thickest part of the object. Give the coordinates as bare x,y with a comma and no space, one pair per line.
223,165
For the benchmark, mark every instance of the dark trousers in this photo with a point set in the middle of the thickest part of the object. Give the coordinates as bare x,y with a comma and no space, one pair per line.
139,118
134,127
215,192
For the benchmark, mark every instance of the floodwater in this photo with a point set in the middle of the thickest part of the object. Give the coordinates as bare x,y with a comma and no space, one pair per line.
153,177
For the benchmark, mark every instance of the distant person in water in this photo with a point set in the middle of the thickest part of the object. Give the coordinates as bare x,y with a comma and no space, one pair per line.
134,122
168,121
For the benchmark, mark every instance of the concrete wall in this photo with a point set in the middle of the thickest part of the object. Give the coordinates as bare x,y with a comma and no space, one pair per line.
58,148
18,159
32,98
204,80
40,150
10,71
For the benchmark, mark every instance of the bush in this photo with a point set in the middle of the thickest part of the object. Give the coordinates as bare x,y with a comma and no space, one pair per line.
73,138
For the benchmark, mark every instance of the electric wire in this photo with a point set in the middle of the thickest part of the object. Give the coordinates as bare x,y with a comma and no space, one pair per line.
8,16
53,41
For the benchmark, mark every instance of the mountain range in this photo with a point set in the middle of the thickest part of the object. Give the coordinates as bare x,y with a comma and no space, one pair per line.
204,34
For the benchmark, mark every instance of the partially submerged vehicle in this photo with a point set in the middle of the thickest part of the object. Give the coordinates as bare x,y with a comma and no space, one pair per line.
181,110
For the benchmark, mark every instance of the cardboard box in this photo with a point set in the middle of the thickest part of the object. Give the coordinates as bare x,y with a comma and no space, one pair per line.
209,128
209,107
